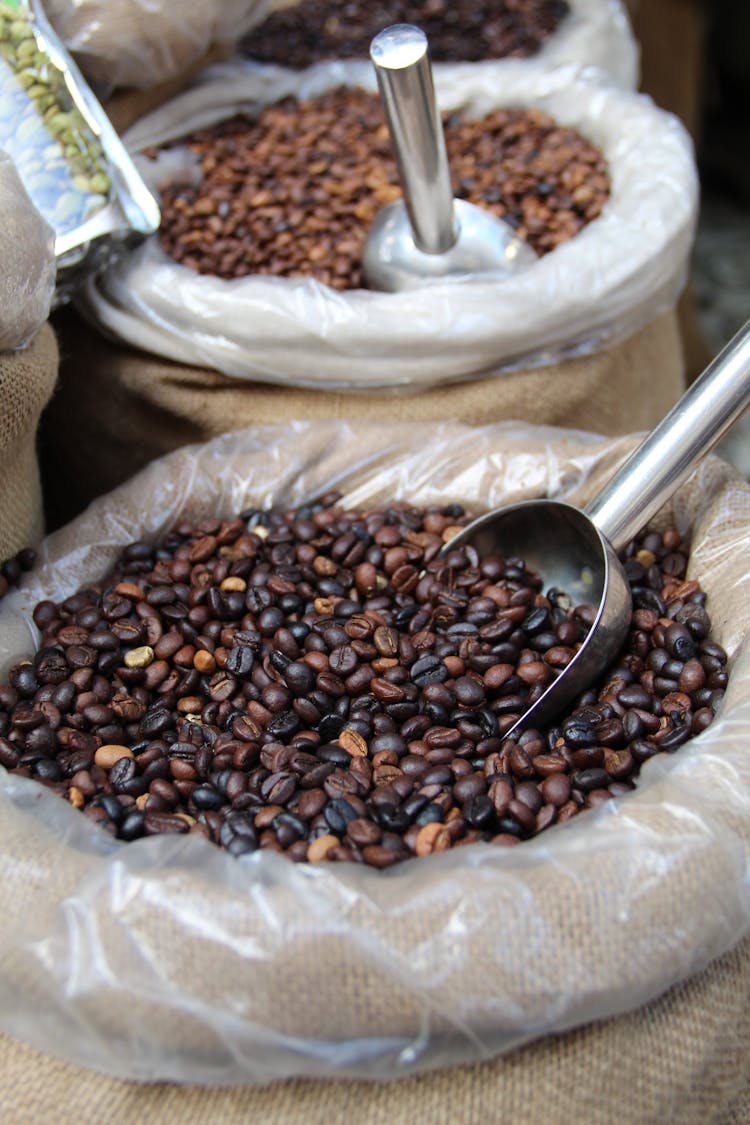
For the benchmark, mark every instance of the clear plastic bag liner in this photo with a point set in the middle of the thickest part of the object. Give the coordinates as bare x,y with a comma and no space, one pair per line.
142,43
613,277
167,958
595,33
27,261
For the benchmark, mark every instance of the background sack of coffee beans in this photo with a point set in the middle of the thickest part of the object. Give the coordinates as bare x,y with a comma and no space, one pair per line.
27,261
617,274
593,33
143,43
134,44
331,972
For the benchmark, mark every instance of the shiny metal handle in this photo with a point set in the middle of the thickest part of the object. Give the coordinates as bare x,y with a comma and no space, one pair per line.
670,452
402,65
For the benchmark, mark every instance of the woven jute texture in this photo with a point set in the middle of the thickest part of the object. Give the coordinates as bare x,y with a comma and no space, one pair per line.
27,379
117,408
682,1059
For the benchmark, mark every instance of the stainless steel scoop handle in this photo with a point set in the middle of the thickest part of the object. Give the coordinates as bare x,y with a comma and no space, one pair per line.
401,60
670,452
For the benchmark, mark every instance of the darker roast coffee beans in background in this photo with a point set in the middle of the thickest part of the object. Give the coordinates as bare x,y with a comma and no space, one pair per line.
318,682
294,192
458,30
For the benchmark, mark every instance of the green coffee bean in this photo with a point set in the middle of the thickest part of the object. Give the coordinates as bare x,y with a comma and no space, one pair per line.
99,183
39,118
25,49
19,31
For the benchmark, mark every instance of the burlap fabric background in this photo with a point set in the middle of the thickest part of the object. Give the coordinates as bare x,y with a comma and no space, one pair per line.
116,408
109,957
682,1059
27,379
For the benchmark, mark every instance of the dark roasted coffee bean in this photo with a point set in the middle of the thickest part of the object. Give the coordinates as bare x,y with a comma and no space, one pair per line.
206,797
333,753
47,769
338,813
159,823
132,825
479,811
240,660
299,678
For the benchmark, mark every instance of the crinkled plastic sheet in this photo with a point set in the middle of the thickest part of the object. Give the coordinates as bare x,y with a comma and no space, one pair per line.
615,276
167,958
27,261
142,43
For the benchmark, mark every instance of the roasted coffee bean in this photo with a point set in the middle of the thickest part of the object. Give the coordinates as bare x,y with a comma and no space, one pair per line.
156,823
206,797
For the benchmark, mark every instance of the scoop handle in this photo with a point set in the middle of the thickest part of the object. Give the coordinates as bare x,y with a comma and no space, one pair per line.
402,65
663,460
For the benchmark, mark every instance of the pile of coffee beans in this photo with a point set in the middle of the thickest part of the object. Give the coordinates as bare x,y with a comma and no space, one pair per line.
457,30
294,192
59,159
12,568
329,684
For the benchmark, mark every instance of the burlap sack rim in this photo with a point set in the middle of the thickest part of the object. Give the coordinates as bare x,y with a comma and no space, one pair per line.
724,772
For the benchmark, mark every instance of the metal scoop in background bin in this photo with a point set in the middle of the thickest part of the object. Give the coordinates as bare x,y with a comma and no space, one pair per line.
576,551
428,234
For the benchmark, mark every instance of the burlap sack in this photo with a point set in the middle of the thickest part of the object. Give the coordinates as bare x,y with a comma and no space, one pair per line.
682,1058
27,379
169,960
27,261
116,408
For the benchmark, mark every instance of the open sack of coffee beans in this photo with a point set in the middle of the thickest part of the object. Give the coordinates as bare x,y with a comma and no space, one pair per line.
593,33
258,813
271,290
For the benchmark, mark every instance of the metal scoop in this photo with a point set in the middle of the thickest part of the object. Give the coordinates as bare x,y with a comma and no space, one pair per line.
428,233
575,550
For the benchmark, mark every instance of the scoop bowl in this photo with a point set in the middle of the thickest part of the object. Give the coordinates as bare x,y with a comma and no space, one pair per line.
577,550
